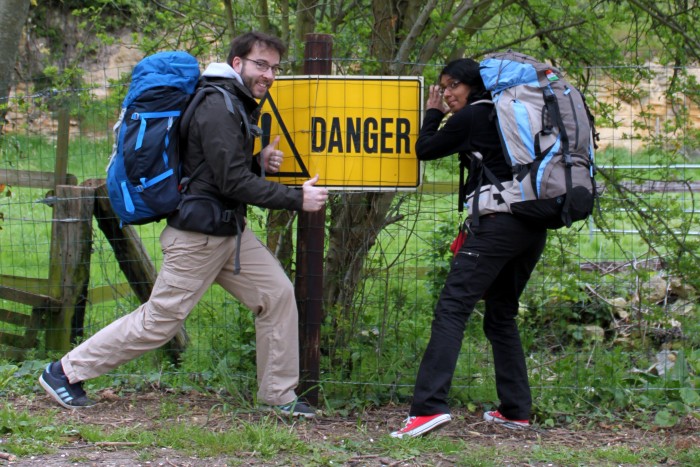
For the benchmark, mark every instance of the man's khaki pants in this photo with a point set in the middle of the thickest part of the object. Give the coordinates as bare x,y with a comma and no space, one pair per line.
191,263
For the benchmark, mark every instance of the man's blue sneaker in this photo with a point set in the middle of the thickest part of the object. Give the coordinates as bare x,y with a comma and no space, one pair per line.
55,382
295,409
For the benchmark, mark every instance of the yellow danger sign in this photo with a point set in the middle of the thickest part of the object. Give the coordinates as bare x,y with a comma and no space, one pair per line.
357,133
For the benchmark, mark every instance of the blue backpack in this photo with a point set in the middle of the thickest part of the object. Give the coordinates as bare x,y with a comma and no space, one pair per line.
143,176
143,171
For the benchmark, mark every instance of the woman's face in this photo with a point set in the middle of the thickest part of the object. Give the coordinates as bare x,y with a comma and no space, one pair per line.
454,93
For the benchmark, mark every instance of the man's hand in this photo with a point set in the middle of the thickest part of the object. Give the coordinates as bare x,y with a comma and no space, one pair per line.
314,197
271,158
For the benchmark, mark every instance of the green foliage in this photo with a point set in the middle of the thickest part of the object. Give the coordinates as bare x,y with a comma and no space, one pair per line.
6,374
681,384
440,257
18,379
96,115
231,378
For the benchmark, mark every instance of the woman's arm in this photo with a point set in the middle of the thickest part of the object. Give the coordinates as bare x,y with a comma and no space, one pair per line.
435,142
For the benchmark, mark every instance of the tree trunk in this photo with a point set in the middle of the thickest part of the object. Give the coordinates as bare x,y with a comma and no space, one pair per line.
230,23
279,237
279,222
357,219
264,17
13,15
283,6
306,19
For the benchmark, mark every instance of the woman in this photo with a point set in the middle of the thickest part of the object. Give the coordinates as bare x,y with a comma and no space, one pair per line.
495,261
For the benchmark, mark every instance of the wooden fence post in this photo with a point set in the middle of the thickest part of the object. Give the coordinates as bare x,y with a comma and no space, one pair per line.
69,262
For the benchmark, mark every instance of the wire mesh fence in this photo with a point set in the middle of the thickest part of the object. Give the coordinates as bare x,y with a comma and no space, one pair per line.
608,302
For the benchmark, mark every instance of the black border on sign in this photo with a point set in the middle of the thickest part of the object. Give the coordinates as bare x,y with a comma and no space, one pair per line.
304,171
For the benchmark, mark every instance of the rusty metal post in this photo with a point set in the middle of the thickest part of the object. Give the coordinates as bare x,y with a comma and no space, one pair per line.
310,250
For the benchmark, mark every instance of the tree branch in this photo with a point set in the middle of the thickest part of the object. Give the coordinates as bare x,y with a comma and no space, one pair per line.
412,37
665,20
537,33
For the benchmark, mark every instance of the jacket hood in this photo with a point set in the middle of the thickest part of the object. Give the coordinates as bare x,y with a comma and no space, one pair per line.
225,76
222,70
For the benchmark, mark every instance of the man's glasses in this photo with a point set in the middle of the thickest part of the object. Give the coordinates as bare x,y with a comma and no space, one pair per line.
452,86
264,66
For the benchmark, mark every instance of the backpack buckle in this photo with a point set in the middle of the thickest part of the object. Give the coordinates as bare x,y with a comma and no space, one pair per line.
256,131
227,215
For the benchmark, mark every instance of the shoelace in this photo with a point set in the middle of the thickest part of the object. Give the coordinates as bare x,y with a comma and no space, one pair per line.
407,422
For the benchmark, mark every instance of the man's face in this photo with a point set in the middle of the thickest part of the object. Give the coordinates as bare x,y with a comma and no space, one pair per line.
258,69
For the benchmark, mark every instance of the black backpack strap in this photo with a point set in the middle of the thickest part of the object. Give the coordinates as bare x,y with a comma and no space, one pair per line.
461,196
188,113
232,101
553,110
185,182
184,134
478,168
595,137
251,131
474,164
232,104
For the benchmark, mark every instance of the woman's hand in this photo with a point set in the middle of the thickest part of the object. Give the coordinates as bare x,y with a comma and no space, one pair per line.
435,100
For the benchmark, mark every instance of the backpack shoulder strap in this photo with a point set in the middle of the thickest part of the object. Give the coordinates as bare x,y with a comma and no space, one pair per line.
482,101
474,160
492,115
231,102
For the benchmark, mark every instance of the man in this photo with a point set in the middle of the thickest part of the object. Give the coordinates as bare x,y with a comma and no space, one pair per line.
198,251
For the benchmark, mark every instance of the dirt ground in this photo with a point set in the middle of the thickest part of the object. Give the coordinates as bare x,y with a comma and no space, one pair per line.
143,410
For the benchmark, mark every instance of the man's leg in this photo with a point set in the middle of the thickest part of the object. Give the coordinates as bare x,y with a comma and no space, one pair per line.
191,262
263,287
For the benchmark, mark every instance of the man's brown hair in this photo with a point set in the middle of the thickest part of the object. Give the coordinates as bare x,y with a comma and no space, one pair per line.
243,44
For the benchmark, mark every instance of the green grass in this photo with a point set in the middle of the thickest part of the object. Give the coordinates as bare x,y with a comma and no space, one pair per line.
173,422
31,434
270,439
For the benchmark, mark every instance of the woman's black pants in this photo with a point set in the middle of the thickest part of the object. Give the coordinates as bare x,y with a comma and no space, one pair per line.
494,263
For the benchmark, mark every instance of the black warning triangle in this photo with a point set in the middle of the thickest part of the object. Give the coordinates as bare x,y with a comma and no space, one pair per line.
266,125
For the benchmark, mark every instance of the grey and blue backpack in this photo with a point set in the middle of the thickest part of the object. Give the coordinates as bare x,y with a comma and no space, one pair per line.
547,135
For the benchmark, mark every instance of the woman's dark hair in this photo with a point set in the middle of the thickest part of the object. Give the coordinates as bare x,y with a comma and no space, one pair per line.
466,70
243,44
